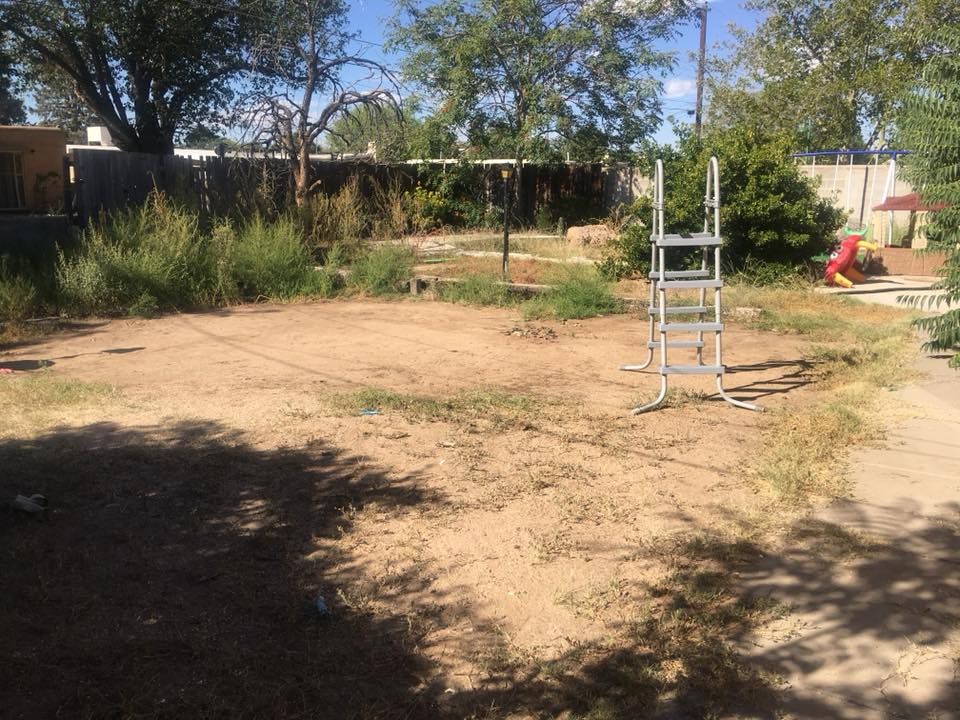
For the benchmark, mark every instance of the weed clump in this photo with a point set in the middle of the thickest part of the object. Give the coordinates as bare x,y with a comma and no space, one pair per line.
382,270
578,292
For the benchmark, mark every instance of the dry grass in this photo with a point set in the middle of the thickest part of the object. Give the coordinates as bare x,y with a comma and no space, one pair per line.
556,248
498,408
861,352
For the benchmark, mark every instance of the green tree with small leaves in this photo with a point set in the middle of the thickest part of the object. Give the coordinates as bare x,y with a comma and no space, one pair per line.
929,125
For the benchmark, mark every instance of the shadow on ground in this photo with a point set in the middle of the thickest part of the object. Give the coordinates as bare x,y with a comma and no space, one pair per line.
170,579
176,572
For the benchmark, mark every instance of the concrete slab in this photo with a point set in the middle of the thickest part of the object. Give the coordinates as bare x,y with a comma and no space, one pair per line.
873,631
885,290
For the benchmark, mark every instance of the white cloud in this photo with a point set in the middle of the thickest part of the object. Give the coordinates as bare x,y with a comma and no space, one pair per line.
678,87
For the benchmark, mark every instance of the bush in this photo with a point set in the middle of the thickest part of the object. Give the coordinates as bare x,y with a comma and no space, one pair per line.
477,289
270,260
770,211
383,269
579,292
629,253
154,258
771,274
155,250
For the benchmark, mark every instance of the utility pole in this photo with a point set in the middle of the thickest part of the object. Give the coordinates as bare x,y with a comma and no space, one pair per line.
702,61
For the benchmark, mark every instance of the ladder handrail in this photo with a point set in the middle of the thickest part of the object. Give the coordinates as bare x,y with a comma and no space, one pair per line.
658,292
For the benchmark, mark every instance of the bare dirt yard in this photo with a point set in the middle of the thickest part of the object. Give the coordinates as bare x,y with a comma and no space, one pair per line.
500,540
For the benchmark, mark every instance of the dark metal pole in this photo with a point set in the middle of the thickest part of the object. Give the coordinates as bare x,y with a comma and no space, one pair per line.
505,174
863,195
701,62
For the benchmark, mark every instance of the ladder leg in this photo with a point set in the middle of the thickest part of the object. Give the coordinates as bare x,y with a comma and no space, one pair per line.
653,295
733,401
659,399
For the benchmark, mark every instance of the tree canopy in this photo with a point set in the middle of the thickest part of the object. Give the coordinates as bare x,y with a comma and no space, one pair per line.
145,68
830,71
513,76
12,111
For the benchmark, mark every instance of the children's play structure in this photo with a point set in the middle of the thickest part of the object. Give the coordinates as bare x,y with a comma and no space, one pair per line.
662,281
841,269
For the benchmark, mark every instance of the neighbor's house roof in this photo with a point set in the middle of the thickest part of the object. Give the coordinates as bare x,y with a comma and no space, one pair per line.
909,202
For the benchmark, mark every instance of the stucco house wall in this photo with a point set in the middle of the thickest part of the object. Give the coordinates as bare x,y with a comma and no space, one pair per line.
40,151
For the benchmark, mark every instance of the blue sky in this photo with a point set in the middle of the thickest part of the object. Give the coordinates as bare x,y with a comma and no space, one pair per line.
370,18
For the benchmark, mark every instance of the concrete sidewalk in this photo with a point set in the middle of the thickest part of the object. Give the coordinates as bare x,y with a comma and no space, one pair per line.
875,608
884,290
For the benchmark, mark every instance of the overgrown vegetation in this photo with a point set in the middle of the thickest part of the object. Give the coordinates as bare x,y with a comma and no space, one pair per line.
158,258
382,270
577,292
478,289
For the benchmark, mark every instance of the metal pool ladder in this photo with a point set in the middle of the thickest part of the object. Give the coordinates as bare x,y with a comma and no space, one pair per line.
662,280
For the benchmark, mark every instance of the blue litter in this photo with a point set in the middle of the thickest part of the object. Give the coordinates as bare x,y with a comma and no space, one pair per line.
321,606
369,411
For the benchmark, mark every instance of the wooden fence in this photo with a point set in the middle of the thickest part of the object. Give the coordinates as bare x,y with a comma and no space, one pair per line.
103,181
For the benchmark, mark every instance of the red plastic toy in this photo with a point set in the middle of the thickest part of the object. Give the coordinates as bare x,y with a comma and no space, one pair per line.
841,268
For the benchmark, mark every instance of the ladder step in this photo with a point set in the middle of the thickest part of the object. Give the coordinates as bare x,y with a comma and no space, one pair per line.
688,240
674,274
680,310
653,344
691,327
690,284
692,369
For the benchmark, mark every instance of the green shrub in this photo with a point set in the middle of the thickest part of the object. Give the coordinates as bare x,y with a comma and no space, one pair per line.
383,269
475,289
270,260
156,250
19,298
579,292
327,281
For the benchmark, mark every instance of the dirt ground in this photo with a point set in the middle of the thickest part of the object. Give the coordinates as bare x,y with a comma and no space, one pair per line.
485,562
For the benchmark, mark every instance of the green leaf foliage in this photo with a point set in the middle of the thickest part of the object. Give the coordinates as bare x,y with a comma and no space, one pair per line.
508,74
832,72
929,125
770,212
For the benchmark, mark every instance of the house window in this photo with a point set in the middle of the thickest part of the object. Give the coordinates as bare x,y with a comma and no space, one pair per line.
11,182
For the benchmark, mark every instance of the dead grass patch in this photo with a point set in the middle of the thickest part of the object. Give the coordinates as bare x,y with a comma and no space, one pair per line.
500,408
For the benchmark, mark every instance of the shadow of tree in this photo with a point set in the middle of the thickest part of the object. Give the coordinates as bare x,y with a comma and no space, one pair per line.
175,576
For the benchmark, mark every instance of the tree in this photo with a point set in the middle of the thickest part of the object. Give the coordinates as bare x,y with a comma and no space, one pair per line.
305,58
55,103
145,68
11,107
515,75
929,125
403,136
831,71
